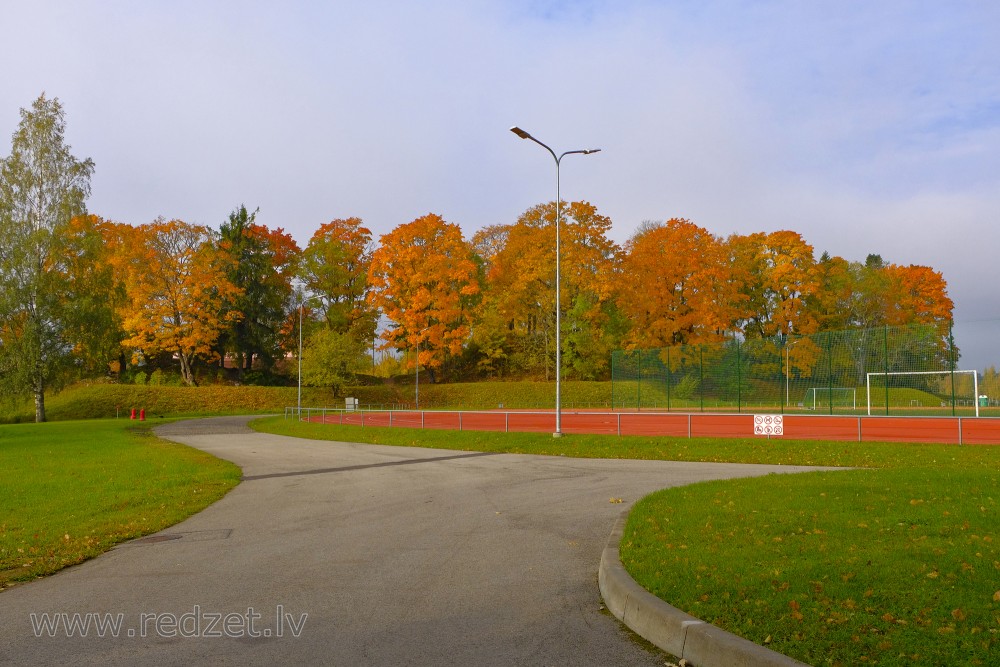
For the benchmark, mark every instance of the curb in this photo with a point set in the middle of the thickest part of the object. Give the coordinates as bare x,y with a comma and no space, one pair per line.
669,628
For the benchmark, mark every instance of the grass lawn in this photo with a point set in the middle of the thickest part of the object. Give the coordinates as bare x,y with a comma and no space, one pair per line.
70,491
895,564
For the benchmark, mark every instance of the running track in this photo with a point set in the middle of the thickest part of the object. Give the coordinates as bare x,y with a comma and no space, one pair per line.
943,430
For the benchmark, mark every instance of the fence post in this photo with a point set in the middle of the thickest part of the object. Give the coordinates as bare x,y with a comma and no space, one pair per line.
951,349
668,379
829,365
739,378
619,424
613,379
701,380
783,372
638,383
885,364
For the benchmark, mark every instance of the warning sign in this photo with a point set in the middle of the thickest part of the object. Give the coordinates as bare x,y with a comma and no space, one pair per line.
768,425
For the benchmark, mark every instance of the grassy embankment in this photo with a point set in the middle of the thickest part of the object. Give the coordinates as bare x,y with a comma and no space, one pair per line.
97,401
895,564
72,490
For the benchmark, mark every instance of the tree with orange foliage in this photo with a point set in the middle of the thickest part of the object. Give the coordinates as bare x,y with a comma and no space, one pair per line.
776,276
829,305
97,293
425,279
675,287
521,290
918,294
177,288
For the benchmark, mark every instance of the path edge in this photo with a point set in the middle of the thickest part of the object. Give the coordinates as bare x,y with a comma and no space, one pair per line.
670,629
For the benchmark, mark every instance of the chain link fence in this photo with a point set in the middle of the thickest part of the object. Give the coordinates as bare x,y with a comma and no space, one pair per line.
911,370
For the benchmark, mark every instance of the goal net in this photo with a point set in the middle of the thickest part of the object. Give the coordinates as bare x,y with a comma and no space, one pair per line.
819,398
923,390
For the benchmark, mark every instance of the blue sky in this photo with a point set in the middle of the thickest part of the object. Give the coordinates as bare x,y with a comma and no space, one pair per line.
865,126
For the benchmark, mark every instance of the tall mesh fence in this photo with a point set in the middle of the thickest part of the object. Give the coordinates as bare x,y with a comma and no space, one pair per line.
911,370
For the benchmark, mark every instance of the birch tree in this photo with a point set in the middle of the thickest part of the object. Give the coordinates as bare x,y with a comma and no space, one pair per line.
42,188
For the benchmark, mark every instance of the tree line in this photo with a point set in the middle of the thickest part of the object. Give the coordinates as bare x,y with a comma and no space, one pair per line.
83,296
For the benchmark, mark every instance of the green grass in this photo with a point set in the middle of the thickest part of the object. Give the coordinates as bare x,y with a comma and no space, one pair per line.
102,400
719,450
72,490
894,564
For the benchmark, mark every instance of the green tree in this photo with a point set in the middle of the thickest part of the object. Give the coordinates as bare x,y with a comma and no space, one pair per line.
334,269
261,265
332,358
42,188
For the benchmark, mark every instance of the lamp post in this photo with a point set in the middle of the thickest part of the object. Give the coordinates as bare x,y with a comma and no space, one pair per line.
416,384
524,135
302,304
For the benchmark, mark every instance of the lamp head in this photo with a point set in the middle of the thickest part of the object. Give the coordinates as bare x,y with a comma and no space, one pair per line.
519,132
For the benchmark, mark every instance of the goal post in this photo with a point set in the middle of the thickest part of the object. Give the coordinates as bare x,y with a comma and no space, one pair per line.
951,374
833,397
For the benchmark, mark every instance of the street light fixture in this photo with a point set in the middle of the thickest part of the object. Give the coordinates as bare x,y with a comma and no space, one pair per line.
416,385
524,135
302,304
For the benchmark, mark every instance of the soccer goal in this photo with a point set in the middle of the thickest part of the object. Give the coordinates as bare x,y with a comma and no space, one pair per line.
817,398
952,385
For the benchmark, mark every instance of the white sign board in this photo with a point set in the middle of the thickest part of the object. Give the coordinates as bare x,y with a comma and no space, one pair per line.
768,425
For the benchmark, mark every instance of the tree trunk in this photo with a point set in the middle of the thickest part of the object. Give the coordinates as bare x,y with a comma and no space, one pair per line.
39,402
186,372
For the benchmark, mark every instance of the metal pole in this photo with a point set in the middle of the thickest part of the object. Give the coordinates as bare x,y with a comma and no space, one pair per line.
885,348
524,135
559,312
299,404
785,402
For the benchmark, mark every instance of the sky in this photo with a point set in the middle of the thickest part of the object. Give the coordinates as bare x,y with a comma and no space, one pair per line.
867,127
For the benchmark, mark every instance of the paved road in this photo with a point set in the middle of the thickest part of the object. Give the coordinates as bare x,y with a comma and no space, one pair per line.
372,555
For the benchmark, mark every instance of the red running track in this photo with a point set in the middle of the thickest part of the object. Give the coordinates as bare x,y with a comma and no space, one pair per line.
943,430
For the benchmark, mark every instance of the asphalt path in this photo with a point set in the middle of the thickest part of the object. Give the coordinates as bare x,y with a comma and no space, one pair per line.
349,554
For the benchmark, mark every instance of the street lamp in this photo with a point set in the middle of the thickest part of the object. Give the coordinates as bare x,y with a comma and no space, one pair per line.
302,304
416,384
524,135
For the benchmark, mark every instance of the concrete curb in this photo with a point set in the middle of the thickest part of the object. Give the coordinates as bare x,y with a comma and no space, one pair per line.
669,628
